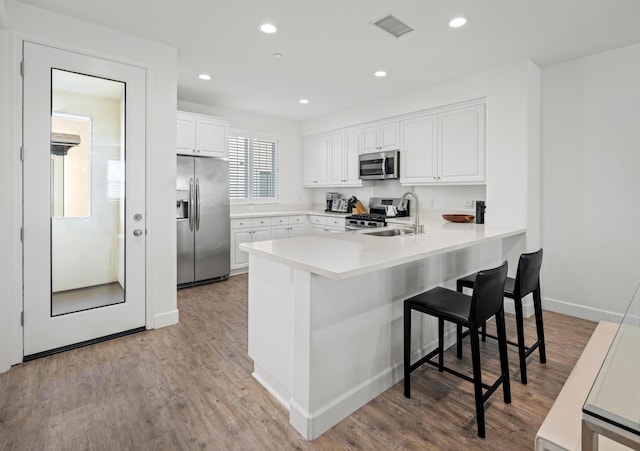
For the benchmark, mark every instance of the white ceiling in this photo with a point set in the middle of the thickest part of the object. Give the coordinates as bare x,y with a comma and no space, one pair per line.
331,50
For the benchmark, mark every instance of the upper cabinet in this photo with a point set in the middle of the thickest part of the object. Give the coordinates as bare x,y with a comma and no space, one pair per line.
315,161
198,134
381,137
445,147
331,160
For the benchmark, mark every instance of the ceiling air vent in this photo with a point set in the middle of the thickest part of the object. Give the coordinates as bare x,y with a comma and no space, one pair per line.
393,26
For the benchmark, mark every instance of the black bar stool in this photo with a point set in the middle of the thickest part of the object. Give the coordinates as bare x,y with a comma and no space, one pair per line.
527,281
468,311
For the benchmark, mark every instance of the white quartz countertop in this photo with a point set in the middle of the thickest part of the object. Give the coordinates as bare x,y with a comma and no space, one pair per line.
268,214
348,254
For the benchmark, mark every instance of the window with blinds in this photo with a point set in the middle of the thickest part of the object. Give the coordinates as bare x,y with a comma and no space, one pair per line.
252,168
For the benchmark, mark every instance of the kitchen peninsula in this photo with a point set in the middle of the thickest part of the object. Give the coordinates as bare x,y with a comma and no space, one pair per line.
325,312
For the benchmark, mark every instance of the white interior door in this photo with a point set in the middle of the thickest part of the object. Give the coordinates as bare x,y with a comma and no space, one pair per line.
83,198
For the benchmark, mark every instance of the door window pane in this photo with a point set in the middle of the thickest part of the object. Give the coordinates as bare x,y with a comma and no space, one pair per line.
87,192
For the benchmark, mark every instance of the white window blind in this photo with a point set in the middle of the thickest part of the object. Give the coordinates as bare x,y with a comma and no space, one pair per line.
252,168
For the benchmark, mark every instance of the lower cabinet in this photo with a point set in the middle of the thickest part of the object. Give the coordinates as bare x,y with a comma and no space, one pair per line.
321,225
248,230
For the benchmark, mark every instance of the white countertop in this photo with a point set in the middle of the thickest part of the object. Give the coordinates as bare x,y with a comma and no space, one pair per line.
348,254
268,214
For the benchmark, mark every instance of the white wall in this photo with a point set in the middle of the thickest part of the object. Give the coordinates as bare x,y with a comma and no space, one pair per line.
160,62
290,192
512,120
591,183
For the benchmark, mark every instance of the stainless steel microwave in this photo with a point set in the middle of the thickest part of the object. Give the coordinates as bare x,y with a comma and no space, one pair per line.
380,165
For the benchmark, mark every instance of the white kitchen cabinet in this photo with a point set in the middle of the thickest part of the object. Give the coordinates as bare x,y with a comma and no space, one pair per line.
247,231
381,137
344,151
332,160
288,227
461,145
315,161
197,134
321,225
444,148
418,157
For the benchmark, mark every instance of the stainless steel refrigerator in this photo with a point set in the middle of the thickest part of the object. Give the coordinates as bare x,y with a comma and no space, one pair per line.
202,214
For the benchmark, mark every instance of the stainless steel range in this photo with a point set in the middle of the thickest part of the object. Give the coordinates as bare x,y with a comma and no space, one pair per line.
379,209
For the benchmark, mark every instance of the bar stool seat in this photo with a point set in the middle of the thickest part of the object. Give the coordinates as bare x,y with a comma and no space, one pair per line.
468,311
527,281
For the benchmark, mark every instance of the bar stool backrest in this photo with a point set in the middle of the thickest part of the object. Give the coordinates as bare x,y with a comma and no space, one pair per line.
488,293
528,275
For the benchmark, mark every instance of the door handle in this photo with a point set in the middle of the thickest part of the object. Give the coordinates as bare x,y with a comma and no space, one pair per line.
137,232
197,203
190,212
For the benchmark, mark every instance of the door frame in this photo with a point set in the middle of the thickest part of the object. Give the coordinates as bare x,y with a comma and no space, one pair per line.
16,126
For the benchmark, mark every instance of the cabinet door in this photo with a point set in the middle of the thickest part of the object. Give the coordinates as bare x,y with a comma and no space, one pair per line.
185,134
336,163
279,232
461,148
261,234
351,168
389,136
308,162
322,161
211,138
240,258
315,162
297,230
418,162
370,139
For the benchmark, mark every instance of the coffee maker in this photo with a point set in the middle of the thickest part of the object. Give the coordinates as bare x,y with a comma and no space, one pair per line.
329,197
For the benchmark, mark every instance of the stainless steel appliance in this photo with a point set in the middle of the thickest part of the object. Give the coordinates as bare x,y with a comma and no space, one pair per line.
202,214
378,207
380,165
330,197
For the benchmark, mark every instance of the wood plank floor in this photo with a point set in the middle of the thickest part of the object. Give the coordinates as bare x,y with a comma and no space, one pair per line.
189,386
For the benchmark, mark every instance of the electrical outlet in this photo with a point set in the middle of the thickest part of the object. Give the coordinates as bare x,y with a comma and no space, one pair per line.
468,203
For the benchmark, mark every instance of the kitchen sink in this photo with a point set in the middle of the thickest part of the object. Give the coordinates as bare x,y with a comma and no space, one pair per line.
390,232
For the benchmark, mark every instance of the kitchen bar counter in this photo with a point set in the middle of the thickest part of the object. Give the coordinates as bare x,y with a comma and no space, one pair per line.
325,329
354,253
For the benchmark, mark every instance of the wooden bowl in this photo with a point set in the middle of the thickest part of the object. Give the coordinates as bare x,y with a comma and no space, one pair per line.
459,217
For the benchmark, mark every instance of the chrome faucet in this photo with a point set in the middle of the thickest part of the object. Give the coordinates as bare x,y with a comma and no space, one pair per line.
417,228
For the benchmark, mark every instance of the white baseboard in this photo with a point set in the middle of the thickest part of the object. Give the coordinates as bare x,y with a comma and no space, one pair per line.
580,311
313,424
235,272
166,319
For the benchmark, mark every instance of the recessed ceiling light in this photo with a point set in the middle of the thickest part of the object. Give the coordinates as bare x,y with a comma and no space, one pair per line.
457,22
278,55
204,77
380,73
304,101
268,28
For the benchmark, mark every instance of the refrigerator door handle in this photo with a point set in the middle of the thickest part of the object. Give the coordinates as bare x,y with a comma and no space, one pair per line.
190,212
197,203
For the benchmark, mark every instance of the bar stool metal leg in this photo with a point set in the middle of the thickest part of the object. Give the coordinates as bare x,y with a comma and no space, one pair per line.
407,351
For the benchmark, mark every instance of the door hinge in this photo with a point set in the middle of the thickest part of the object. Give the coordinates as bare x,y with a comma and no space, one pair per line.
22,234
21,153
22,318
22,68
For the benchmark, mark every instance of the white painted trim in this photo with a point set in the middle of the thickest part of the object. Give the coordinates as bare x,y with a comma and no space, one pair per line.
581,311
269,383
17,39
313,424
164,319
